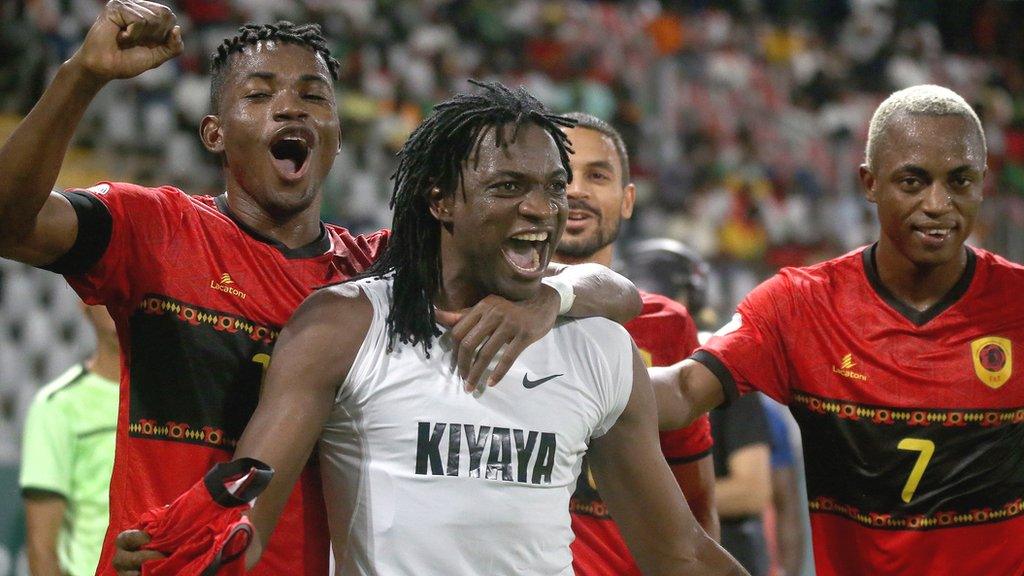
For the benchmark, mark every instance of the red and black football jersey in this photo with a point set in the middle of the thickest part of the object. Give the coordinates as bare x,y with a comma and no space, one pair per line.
665,334
198,299
912,421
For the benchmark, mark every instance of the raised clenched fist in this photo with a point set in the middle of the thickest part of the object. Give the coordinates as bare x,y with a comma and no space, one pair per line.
128,38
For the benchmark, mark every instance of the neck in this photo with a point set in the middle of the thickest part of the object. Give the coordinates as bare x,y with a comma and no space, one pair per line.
106,362
604,257
457,290
293,229
918,286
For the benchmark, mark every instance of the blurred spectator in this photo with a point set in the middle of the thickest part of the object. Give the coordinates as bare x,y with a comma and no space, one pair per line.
67,458
743,479
23,53
788,530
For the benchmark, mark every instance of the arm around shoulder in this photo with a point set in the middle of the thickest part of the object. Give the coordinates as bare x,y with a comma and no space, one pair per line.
598,291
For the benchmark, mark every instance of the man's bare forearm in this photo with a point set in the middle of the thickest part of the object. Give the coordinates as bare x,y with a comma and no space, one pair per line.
31,158
600,292
684,391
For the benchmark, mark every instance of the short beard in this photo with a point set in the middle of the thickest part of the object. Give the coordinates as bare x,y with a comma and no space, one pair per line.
585,248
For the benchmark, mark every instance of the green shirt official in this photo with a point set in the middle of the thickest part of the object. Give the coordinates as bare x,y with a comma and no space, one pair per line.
68,451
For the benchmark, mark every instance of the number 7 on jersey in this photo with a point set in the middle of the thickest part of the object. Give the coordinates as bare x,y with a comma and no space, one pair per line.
926,449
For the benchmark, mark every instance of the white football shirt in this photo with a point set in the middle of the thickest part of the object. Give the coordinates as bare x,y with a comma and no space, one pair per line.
421,477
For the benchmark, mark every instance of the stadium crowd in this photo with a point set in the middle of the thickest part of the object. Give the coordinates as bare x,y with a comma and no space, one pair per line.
745,118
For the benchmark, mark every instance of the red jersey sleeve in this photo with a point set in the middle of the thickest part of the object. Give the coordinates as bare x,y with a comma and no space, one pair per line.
119,226
665,334
749,352
687,444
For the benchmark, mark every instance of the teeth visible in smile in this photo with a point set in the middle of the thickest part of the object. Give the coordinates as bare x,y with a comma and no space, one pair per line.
937,232
531,236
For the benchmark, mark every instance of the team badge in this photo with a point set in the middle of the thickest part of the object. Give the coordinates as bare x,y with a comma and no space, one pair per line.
993,360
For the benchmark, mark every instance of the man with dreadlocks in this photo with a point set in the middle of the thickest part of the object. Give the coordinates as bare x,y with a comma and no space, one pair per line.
199,286
421,474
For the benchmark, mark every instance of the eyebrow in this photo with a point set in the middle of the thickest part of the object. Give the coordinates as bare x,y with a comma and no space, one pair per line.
558,172
602,164
271,76
314,78
964,168
260,76
919,171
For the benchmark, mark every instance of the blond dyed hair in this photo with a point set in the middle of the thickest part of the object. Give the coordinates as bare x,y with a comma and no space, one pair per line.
924,99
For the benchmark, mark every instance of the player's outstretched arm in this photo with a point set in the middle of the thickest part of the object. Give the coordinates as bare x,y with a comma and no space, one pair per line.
128,38
498,330
645,499
312,358
684,391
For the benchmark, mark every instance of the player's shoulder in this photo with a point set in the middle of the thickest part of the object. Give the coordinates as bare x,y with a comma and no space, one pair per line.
346,234
594,333
346,241
656,305
128,190
827,271
343,297
999,267
355,253
62,386
840,271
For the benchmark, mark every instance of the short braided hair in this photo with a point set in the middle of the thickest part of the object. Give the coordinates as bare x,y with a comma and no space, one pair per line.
307,35
433,157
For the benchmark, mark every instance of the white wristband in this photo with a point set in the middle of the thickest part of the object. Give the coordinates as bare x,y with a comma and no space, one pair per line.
566,294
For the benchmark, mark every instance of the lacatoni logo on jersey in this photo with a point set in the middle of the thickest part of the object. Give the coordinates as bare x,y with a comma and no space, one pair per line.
493,453
225,285
846,366
993,360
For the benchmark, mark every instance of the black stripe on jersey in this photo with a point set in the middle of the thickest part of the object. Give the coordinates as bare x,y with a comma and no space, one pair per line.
195,372
97,431
711,362
688,459
911,469
317,247
94,228
918,317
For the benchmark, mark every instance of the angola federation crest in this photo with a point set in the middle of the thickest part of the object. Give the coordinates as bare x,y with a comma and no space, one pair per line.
993,360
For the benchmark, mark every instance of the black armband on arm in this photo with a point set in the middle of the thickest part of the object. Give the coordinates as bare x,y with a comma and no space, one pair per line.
94,228
711,362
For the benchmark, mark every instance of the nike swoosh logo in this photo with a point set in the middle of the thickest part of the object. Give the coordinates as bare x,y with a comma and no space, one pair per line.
527,383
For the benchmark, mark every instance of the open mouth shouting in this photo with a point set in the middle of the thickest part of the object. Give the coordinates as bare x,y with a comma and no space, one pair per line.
528,252
290,151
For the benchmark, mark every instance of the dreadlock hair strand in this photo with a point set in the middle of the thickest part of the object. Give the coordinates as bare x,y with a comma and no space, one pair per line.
307,35
433,157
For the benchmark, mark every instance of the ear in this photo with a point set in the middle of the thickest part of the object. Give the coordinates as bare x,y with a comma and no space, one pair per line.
211,135
628,201
868,181
440,205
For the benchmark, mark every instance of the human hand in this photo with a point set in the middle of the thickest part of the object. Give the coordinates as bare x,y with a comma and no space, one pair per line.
129,556
128,38
497,328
